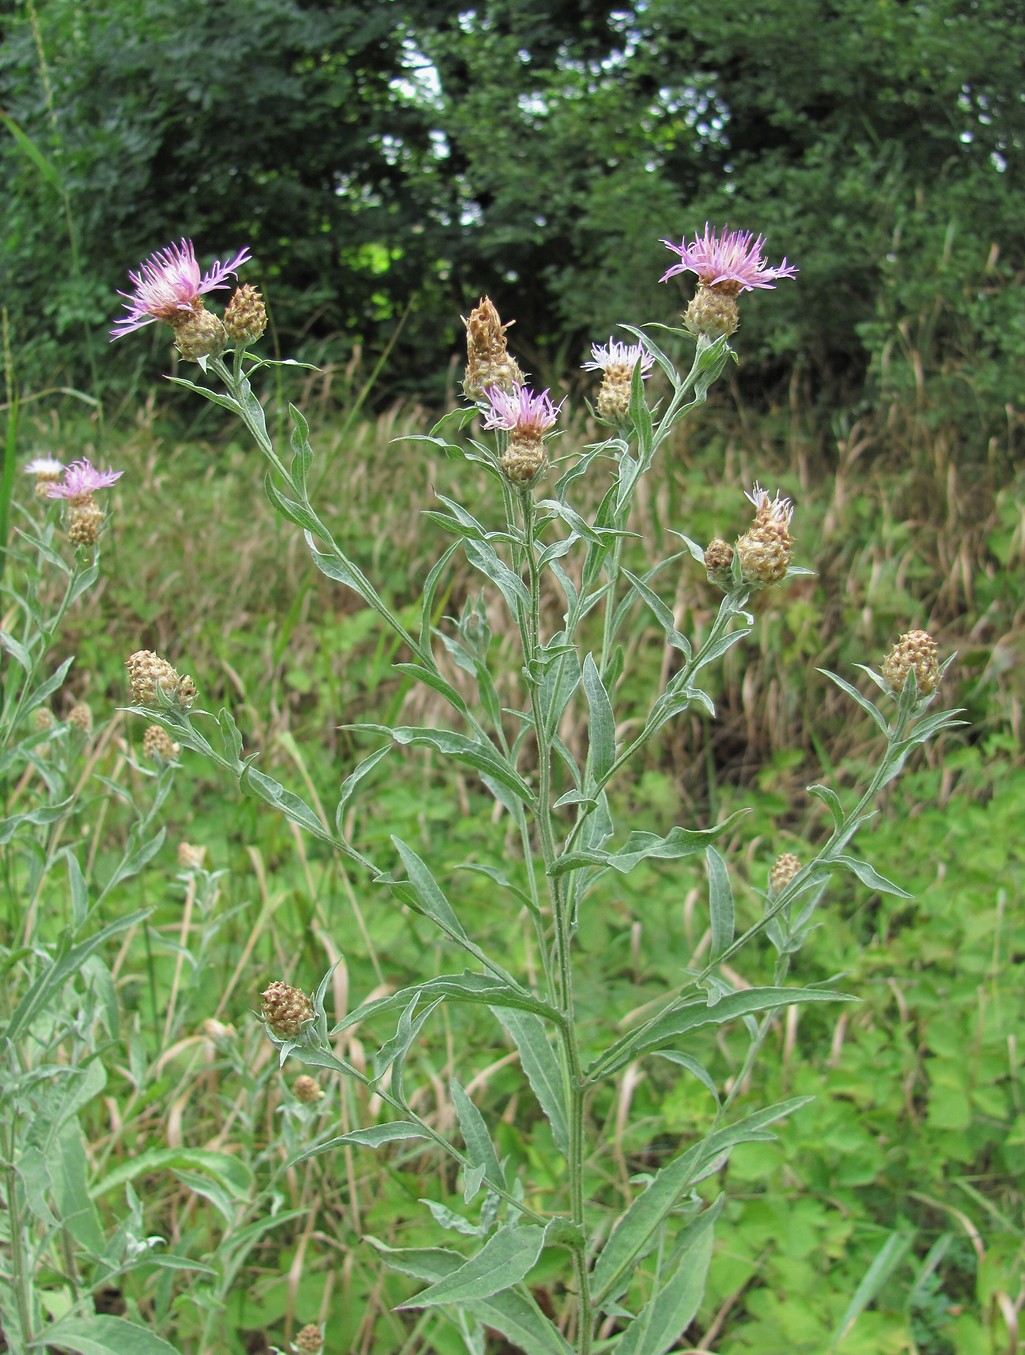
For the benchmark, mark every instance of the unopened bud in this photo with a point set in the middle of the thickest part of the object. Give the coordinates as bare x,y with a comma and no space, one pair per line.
307,1090
783,871
84,522
189,856
151,676
916,650
158,745
81,717
245,318
767,548
309,1341
285,1009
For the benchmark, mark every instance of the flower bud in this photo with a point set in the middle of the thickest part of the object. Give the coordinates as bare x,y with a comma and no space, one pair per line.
189,856
285,1009
307,1090
245,318
712,312
783,871
158,745
916,650
719,562
151,676
44,720
81,717
309,1341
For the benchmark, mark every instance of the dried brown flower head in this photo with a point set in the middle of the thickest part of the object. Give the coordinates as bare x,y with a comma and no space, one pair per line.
191,857
488,362
307,1089
81,717
309,1341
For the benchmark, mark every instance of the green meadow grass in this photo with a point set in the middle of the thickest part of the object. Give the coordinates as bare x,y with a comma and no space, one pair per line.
887,1218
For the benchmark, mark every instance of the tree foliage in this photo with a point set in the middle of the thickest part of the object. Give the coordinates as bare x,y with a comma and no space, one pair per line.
389,164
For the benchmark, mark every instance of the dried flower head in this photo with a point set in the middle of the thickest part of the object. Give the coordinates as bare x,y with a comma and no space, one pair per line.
914,652
158,745
245,318
526,417
47,470
191,857
767,548
309,1341
169,285
44,719
307,1090
617,361
81,480
151,676
488,362
784,868
285,1009
80,717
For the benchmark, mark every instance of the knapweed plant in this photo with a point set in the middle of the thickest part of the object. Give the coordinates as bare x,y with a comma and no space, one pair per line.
630,1259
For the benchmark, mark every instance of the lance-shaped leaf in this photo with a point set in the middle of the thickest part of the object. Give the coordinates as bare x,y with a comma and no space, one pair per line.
482,989
868,875
601,725
479,1148
542,1069
513,1313
506,1258
667,1029
634,1234
374,1136
675,1302
661,613
102,1334
476,753
720,902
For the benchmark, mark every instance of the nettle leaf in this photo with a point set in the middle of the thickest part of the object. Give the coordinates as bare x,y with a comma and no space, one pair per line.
506,1258
513,1313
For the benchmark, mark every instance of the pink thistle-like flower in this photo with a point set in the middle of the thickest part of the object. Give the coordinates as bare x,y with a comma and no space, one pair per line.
168,284
80,480
621,355
732,261
520,410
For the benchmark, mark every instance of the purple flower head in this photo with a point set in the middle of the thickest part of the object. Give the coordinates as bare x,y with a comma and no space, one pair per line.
80,479
520,410
168,283
615,353
733,261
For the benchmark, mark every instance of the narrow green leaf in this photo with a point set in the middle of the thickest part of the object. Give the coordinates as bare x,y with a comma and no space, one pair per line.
433,902
868,875
479,1148
541,1068
302,452
694,1014
673,1306
720,900
483,757
866,705
504,1260
513,1313
435,681
374,1136
601,726
885,1262
38,818
484,557
661,612
831,800
230,1171
352,781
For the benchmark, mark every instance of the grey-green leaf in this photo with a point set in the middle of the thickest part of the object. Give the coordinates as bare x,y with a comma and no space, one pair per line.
504,1260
